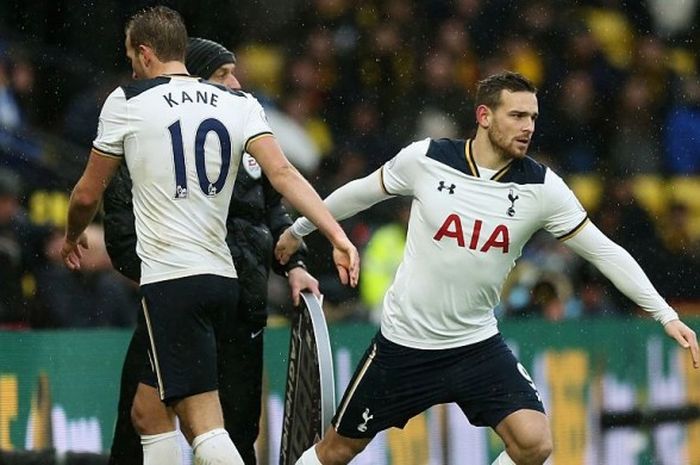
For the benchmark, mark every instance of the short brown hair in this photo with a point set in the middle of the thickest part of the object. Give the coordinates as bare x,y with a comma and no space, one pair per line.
488,91
160,28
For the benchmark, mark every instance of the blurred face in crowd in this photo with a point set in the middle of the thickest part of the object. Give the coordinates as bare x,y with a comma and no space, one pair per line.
510,124
225,75
9,206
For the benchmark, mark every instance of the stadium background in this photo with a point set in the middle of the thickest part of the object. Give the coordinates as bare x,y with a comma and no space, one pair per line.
347,84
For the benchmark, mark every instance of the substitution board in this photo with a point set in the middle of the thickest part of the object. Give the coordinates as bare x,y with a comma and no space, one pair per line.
309,399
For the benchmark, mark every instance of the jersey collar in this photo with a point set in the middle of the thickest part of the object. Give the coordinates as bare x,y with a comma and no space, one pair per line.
471,164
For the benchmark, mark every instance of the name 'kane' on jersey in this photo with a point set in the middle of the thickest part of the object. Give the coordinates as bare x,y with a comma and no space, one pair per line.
182,139
467,227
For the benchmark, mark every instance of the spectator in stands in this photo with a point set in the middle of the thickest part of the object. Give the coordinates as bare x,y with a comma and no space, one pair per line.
381,258
80,118
10,113
367,135
683,129
652,60
302,107
545,302
673,17
635,145
684,250
624,221
593,295
11,253
95,296
438,91
676,230
21,244
575,135
23,77
454,39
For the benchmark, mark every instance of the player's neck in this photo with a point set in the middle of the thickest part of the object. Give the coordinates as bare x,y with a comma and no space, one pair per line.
169,67
486,155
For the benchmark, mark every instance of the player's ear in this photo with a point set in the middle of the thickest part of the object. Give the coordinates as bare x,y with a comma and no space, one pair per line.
483,116
145,53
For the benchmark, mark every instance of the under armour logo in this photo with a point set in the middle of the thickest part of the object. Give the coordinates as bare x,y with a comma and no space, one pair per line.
511,209
450,188
362,427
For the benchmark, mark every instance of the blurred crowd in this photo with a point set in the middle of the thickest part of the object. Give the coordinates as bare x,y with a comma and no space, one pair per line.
346,84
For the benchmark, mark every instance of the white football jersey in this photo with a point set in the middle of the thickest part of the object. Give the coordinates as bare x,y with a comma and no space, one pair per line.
467,227
182,139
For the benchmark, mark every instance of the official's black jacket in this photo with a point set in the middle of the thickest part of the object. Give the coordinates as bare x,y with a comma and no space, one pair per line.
256,220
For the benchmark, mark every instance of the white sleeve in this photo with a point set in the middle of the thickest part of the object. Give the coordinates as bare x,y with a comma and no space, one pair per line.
256,124
563,213
347,200
621,269
112,127
399,173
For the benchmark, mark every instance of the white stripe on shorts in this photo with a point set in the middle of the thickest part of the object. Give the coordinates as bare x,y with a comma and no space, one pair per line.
351,391
154,360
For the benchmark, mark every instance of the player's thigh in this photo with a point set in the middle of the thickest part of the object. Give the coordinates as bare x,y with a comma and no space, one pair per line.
490,384
391,385
184,317
525,430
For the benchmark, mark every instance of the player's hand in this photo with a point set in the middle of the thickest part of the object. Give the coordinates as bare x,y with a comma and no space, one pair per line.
301,280
71,251
286,246
347,262
686,338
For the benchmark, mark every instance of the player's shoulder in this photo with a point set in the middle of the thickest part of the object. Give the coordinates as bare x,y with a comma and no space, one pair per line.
451,152
525,171
138,87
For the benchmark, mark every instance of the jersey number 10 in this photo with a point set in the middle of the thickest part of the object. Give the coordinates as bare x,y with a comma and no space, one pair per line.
209,188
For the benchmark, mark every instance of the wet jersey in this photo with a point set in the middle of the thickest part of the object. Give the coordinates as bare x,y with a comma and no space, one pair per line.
466,230
182,139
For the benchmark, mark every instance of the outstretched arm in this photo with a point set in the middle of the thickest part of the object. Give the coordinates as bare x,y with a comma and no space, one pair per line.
626,274
344,202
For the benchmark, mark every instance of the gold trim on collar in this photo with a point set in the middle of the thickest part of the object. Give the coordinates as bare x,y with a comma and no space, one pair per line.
499,174
470,159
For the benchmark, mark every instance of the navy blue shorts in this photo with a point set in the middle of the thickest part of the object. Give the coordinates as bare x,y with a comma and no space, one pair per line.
184,320
393,383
